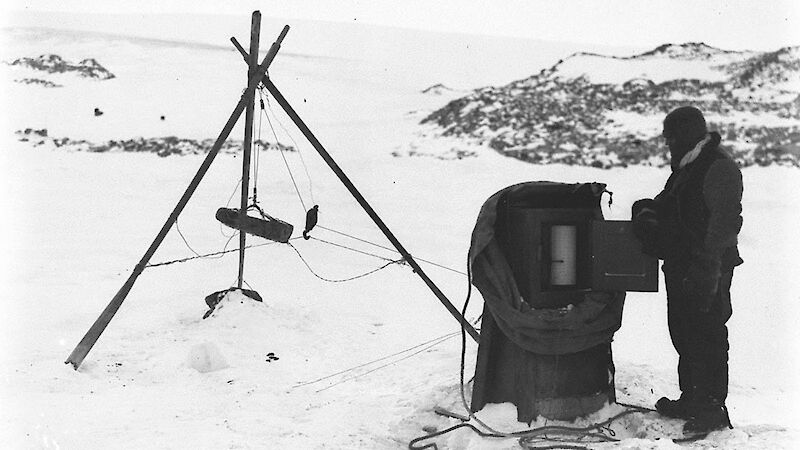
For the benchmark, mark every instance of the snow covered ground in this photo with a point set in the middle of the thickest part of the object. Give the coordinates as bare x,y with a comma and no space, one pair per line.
360,364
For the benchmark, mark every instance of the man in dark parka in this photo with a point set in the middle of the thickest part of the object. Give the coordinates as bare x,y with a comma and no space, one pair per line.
693,226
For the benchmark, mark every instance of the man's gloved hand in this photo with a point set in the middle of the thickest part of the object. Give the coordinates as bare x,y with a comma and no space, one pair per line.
702,280
644,219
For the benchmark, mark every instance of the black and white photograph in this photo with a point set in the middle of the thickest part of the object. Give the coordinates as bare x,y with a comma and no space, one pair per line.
452,225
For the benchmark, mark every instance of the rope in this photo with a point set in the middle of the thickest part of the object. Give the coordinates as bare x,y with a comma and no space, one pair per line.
197,255
238,183
286,162
351,249
257,153
227,204
529,439
440,266
358,239
466,405
297,147
343,279
225,251
413,444
178,227
390,249
462,389
262,96
207,255
248,284
440,339
424,349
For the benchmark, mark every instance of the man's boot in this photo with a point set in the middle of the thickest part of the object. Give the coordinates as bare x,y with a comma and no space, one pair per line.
707,416
676,409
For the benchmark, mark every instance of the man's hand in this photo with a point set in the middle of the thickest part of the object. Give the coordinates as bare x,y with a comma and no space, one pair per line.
645,225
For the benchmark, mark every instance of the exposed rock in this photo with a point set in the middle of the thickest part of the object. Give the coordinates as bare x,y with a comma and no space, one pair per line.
88,68
162,146
688,50
437,89
751,98
37,81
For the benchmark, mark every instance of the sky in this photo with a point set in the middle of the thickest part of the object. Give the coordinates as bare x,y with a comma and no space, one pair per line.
729,24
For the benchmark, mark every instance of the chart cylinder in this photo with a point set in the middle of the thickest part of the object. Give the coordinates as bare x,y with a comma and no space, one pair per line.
563,255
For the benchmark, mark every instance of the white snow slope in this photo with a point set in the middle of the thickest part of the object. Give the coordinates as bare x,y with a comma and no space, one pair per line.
360,364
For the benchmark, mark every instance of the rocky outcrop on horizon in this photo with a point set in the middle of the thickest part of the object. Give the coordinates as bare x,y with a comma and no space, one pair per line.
162,146
37,82
49,63
438,89
605,111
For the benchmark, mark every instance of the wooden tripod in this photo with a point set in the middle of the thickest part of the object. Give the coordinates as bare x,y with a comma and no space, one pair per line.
257,73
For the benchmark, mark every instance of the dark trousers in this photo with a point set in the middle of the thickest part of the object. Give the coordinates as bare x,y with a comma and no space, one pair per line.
700,338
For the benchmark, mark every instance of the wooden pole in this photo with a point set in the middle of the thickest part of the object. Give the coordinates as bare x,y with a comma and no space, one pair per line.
252,63
366,206
90,338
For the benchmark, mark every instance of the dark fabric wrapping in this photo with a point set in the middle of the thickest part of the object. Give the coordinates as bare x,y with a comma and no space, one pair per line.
586,324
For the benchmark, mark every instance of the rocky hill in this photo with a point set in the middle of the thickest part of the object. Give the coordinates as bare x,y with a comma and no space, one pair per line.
54,64
606,111
162,146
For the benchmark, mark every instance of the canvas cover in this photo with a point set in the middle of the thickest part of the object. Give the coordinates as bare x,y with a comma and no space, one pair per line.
590,321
